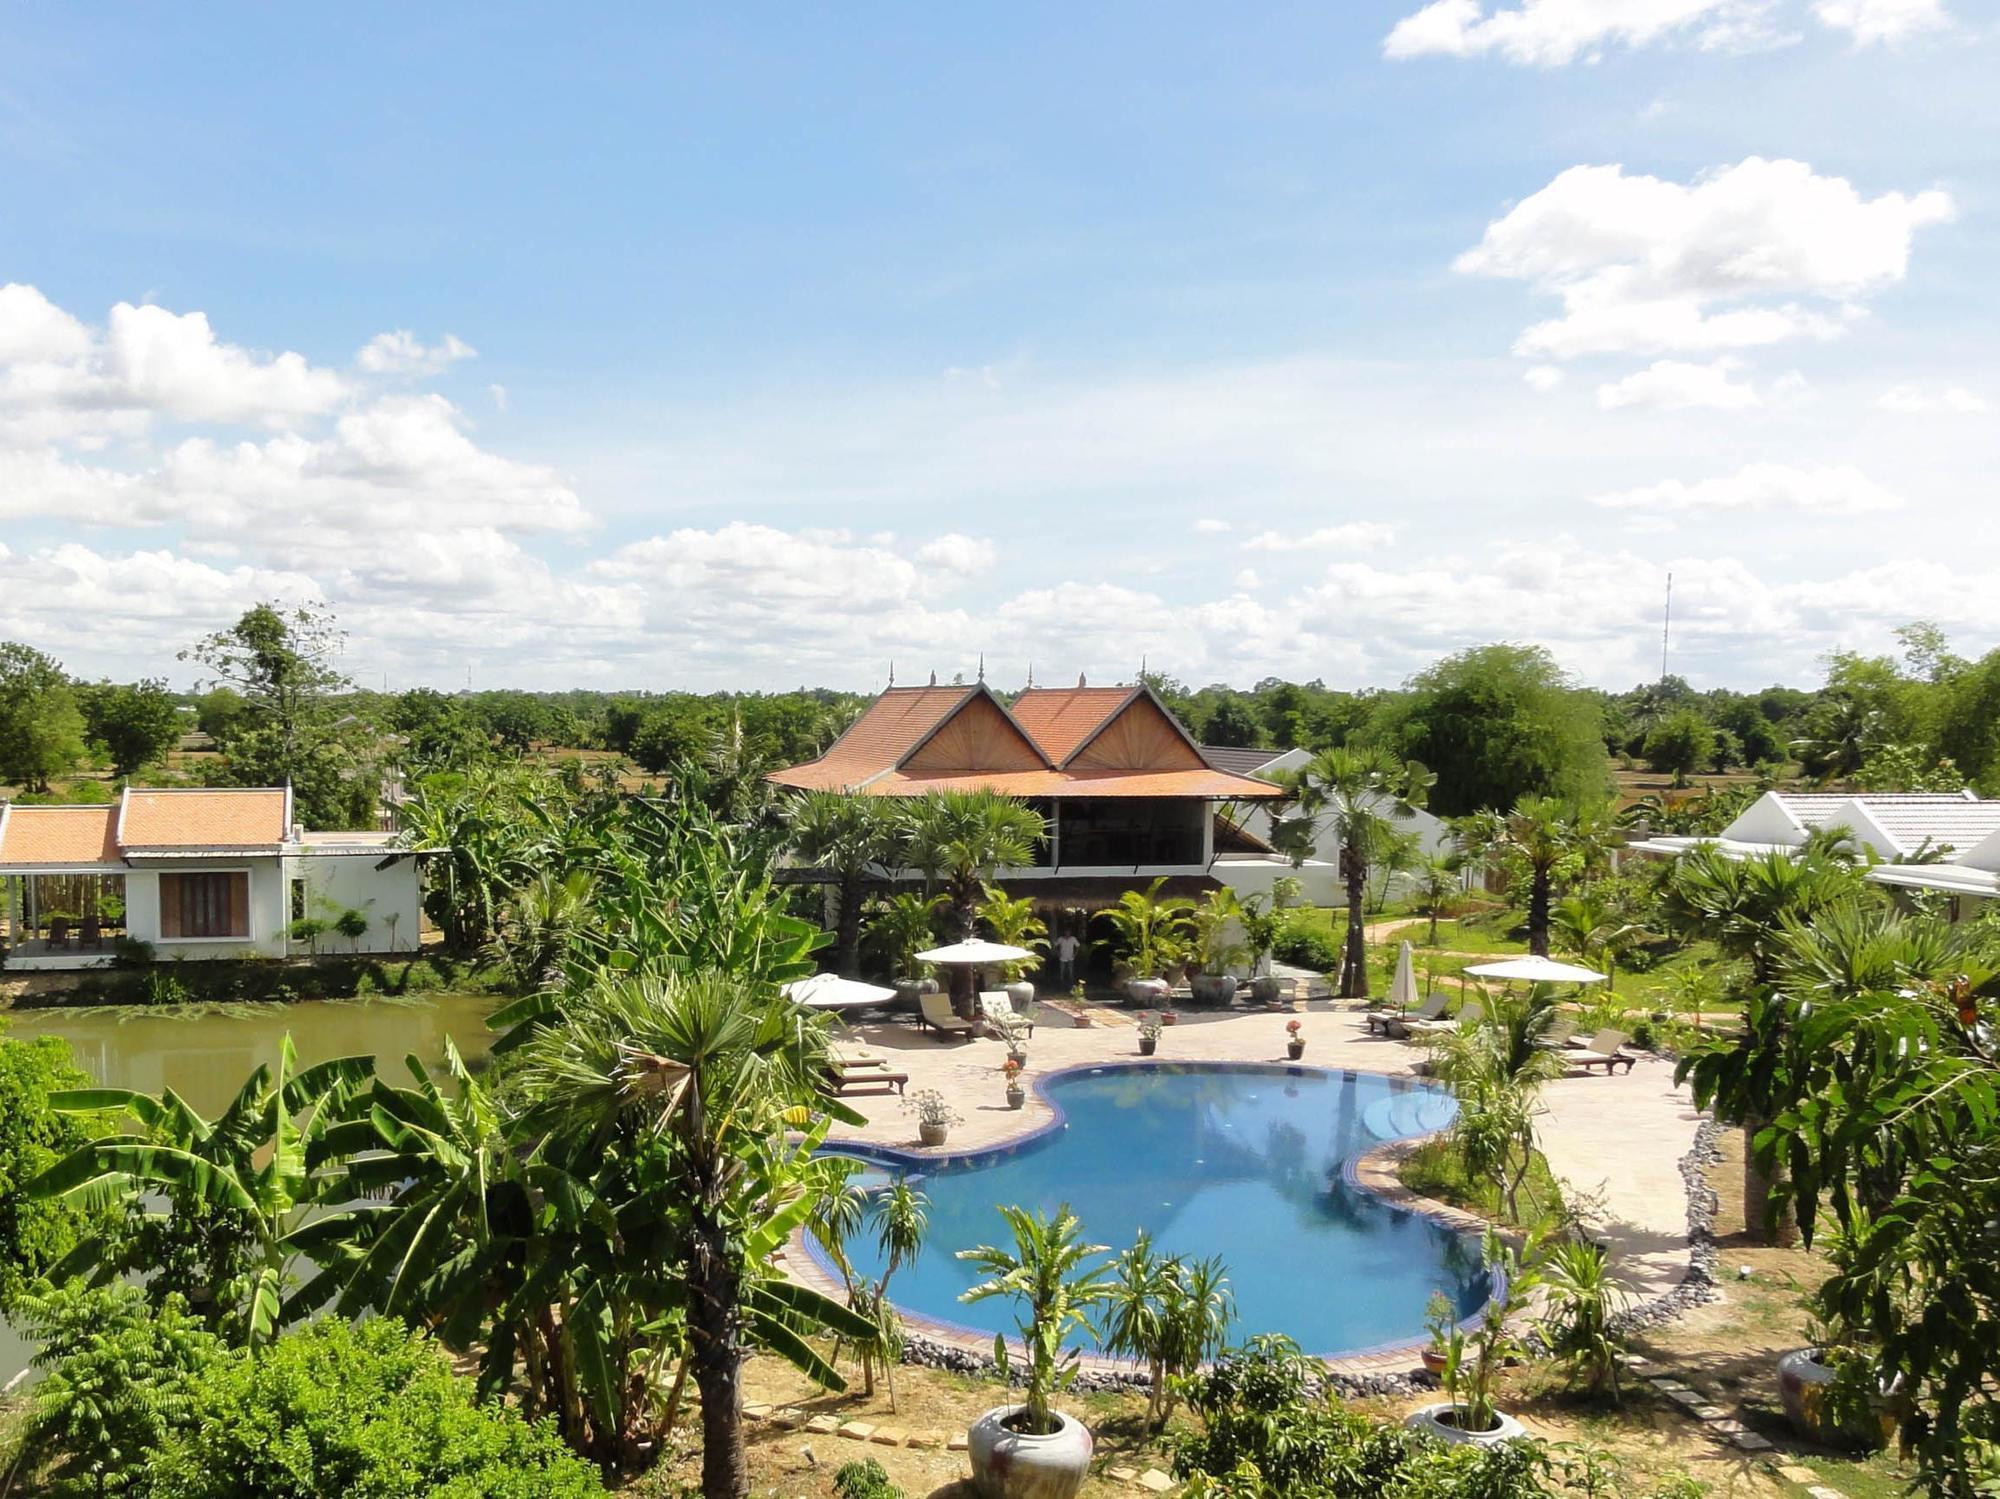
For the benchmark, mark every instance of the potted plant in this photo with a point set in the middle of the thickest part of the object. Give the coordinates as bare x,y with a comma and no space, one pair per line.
1439,1320
934,1116
1149,1032
1013,921
1469,1361
1830,1395
1150,934
901,927
1031,1451
1260,935
1170,1017
1295,1044
1213,948
1017,1094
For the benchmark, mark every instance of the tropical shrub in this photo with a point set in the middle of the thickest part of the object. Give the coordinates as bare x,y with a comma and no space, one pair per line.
36,1234
1305,946
1171,1312
864,1480
374,1410
116,1386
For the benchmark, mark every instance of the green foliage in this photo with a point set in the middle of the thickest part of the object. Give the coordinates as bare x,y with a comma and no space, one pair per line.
135,725
1581,1306
370,1410
903,926
1170,1312
844,836
1305,945
41,727
864,1480
1048,1273
1150,930
119,1374
1012,920
958,838
36,1234
1682,742
1496,723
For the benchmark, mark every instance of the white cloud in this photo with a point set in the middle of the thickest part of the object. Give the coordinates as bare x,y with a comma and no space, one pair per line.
1915,399
1543,378
499,396
1674,385
402,353
173,364
1886,21
1840,490
1550,33
1247,580
1353,536
962,555
1208,525
1643,265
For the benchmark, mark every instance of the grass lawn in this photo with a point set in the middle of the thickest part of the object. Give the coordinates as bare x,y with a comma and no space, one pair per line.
1434,1170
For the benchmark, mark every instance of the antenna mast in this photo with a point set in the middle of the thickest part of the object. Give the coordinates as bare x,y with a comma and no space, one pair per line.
1666,629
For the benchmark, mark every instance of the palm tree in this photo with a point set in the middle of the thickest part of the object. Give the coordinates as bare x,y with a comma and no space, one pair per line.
705,1073
1594,930
1439,886
844,836
1496,1067
1012,920
1550,839
1153,929
1170,1312
1352,794
958,838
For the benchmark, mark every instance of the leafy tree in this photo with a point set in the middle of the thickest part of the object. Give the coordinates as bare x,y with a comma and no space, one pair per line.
1726,751
1440,886
1353,794
118,1377
679,729
1497,723
845,835
1681,742
365,1410
1969,722
36,1235
220,712
135,724
1232,724
1595,928
438,732
41,727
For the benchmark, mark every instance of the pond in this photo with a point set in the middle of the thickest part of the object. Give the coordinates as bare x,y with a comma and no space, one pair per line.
204,1052
1244,1162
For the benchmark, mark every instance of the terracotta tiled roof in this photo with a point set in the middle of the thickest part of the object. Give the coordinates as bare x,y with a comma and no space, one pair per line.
1214,784
58,835
1061,718
888,729
204,819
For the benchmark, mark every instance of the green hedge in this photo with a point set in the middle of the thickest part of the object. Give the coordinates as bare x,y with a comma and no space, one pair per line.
238,980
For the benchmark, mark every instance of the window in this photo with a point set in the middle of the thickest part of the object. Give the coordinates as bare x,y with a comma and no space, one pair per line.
205,906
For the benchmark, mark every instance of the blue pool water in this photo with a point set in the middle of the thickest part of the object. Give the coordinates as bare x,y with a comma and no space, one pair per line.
1245,1163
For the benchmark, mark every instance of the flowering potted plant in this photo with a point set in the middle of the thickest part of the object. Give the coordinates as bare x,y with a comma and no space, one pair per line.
1017,1094
1295,1044
935,1117
1149,1032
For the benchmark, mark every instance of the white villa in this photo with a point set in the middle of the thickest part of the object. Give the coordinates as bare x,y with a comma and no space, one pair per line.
1956,835
196,873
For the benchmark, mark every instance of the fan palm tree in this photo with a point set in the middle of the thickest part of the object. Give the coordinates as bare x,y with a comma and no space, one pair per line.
702,1074
1550,840
1354,794
957,839
844,836
1594,930
1439,888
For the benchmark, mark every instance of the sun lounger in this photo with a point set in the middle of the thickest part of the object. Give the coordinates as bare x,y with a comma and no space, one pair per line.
1606,1050
997,1007
1385,1021
843,1079
853,1057
934,1012
1469,1013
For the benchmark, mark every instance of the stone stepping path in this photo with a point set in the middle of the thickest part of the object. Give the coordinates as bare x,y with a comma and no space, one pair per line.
1697,1406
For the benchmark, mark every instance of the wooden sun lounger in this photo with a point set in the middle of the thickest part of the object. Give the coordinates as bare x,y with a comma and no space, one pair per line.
934,1012
847,1079
1386,1021
1472,1010
1606,1050
997,1006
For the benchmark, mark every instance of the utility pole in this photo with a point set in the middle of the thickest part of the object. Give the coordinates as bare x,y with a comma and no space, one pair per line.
1666,629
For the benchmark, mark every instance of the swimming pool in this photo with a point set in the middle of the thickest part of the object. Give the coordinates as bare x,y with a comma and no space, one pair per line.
1242,1161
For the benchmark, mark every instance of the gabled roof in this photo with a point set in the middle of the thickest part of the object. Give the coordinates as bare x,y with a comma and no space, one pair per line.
1240,762
1905,821
900,726
203,819
58,837
1062,719
1074,724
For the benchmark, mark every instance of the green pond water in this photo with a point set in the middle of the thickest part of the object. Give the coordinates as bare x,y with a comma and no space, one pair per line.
204,1054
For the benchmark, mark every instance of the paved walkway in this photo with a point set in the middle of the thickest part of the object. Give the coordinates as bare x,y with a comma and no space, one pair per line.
1618,1139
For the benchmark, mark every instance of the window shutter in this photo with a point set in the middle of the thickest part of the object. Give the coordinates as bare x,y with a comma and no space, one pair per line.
170,905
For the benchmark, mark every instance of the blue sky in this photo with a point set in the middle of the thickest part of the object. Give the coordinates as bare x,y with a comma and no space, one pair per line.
1312,341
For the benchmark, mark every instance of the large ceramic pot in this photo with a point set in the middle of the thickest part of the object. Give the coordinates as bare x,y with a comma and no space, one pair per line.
1022,993
907,992
1214,989
1267,988
1435,1421
932,1134
1803,1383
1010,1465
1147,992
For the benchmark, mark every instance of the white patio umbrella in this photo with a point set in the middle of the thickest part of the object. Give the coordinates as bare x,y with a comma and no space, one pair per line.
1535,970
975,951
829,991
1403,988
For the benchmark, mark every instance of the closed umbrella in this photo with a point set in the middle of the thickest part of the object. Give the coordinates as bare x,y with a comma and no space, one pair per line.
1535,970
1403,988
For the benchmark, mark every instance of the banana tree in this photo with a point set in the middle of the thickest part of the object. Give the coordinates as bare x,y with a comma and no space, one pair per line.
237,1188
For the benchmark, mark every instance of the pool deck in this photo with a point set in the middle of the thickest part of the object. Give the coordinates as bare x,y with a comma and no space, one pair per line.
1616,1140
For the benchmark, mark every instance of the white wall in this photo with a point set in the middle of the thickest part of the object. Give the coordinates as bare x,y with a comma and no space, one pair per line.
341,882
267,908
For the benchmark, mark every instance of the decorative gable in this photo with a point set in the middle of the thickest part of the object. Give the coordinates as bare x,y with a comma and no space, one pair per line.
1141,736
977,739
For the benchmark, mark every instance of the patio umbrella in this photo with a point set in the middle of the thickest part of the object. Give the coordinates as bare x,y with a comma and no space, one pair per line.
1536,971
829,991
1403,988
975,951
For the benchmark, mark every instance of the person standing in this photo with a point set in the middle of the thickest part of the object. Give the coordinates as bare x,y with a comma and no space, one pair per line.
1066,950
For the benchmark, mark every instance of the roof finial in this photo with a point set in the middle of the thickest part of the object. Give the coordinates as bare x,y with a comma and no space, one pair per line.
892,671
1080,680
933,679
1142,667
982,666
1031,673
